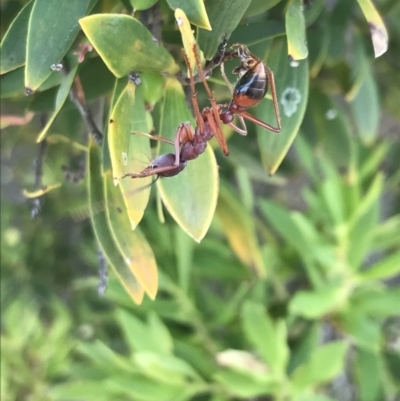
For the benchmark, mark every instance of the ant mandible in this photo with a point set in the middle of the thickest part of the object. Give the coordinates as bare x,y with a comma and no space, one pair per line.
190,142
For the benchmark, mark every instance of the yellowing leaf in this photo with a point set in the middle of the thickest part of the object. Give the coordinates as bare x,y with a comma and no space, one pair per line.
125,45
296,31
239,228
41,191
195,11
379,33
130,153
132,245
102,231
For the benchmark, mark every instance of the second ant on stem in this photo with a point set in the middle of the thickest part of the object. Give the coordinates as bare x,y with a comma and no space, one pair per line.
189,143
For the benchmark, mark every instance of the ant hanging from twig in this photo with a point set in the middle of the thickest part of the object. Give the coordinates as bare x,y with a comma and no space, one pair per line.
190,142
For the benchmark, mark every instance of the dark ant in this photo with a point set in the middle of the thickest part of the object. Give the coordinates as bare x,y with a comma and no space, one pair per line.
190,142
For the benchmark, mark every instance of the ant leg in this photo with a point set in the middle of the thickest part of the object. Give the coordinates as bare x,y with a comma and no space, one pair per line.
153,137
241,131
274,98
255,120
184,133
228,84
199,118
148,171
218,133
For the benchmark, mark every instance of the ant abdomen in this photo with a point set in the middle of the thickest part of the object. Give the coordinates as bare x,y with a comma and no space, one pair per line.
251,87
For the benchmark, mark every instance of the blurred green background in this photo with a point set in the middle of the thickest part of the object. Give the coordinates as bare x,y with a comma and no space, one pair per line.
294,292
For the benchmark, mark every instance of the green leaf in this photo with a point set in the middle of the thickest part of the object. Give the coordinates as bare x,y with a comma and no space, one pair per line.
283,223
238,226
160,333
296,31
129,152
136,251
96,78
389,266
318,39
195,11
365,331
80,389
142,4
244,385
103,357
314,398
12,83
267,337
191,196
259,6
117,37
329,128
369,198
260,32
369,375
387,234
379,33
382,302
13,45
224,16
101,230
292,92
164,368
324,364
143,388
137,334
62,96
315,304
367,99
53,26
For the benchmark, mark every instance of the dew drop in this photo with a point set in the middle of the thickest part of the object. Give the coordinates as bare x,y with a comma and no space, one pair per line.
28,91
290,99
331,114
56,67
124,158
294,63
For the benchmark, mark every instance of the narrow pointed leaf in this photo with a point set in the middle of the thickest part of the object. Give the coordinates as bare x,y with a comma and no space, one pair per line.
267,337
142,4
259,6
367,99
191,196
62,96
379,35
317,370
224,16
41,191
13,45
130,153
53,26
239,228
102,231
384,269
187,36
327,124
292,92
296,31
136,251
125,45
195,11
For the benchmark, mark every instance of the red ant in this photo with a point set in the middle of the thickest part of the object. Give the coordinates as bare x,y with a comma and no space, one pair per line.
190,142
